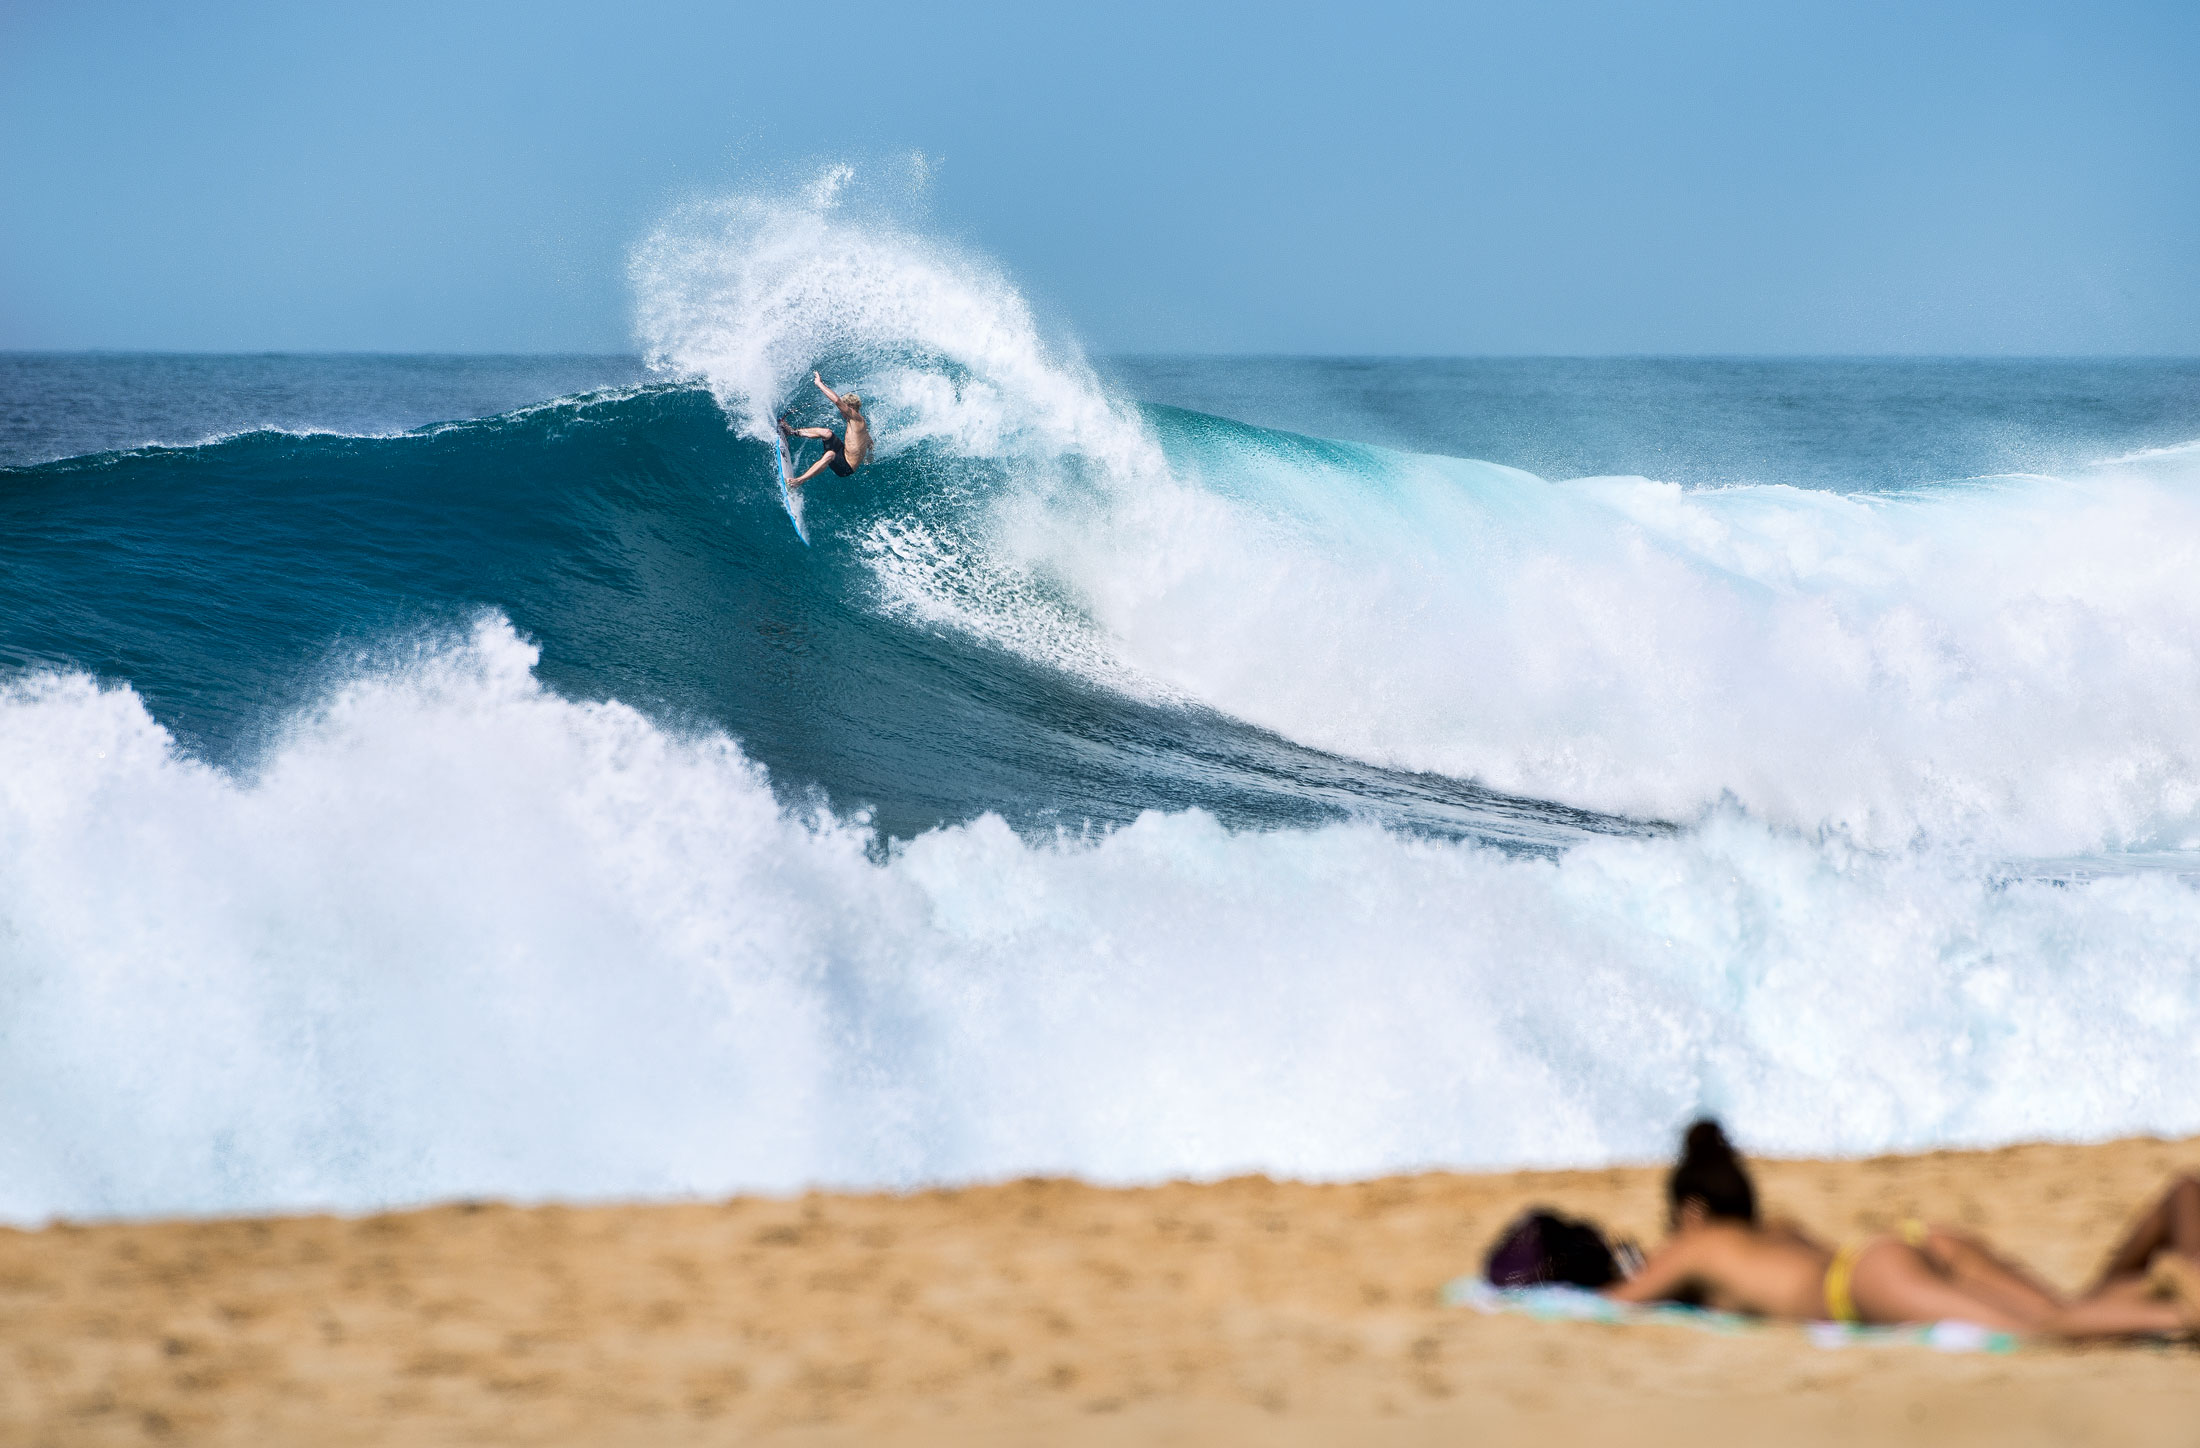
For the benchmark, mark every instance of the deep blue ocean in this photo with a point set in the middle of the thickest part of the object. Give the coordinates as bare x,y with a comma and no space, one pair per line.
429,776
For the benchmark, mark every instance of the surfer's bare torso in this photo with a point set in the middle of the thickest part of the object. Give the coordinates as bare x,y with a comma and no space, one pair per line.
843,453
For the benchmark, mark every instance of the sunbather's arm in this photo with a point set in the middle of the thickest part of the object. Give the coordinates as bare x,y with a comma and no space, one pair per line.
1669,1269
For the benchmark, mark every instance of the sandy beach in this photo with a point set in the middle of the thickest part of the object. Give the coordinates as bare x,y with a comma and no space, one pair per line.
1030,1312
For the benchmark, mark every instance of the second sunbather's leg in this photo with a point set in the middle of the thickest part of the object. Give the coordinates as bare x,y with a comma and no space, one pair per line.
2172,1223
2126,1307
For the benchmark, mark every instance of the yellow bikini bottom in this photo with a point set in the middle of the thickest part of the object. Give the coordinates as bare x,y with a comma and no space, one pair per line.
1840,1302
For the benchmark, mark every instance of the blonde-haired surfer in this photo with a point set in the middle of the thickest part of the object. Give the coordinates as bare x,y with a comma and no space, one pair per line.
842,455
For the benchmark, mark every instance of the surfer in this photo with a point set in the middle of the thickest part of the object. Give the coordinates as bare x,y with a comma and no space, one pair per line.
842,454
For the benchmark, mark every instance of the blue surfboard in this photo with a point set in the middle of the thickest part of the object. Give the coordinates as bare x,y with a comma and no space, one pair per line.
787,498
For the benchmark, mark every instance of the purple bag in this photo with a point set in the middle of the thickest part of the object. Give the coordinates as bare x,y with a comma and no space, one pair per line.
1541,1247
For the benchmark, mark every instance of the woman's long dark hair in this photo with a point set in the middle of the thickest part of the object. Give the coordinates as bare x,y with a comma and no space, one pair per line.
1710,1172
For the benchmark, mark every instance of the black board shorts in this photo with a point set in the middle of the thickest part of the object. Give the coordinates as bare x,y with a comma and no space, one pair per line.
836,456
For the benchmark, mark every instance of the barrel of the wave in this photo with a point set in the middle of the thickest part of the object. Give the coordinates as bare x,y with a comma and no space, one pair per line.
787,498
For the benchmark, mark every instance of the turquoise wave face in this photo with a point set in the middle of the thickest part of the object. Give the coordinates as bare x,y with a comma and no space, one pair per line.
640,543
1195,613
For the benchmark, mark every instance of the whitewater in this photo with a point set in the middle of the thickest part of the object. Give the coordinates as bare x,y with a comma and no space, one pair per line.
506,808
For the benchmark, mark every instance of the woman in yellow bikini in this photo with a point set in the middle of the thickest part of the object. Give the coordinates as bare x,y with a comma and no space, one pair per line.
1720,1255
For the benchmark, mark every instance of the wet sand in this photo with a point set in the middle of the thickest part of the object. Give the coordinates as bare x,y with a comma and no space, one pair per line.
1243,1311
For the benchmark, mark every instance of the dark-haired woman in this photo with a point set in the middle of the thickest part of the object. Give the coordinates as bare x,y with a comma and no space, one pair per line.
1719,1254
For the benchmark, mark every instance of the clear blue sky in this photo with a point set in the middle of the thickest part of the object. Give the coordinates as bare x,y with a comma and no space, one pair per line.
1373,177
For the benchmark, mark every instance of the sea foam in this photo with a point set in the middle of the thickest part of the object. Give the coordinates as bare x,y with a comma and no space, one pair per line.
2011,665
457,935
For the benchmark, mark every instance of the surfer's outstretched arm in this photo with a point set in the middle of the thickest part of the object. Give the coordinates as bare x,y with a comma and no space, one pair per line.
820,381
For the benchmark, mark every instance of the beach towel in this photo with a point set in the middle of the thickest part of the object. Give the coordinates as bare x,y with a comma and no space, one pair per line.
1573,1304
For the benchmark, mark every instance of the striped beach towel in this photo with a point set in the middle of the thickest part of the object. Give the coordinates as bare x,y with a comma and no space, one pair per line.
1574,1304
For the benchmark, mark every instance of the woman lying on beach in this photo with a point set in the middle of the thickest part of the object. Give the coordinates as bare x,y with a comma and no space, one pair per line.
1721,1256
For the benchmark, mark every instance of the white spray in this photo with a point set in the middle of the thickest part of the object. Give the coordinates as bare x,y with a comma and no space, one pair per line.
461,936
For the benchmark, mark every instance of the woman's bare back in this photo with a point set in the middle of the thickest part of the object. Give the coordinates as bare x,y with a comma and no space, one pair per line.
1737,1269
